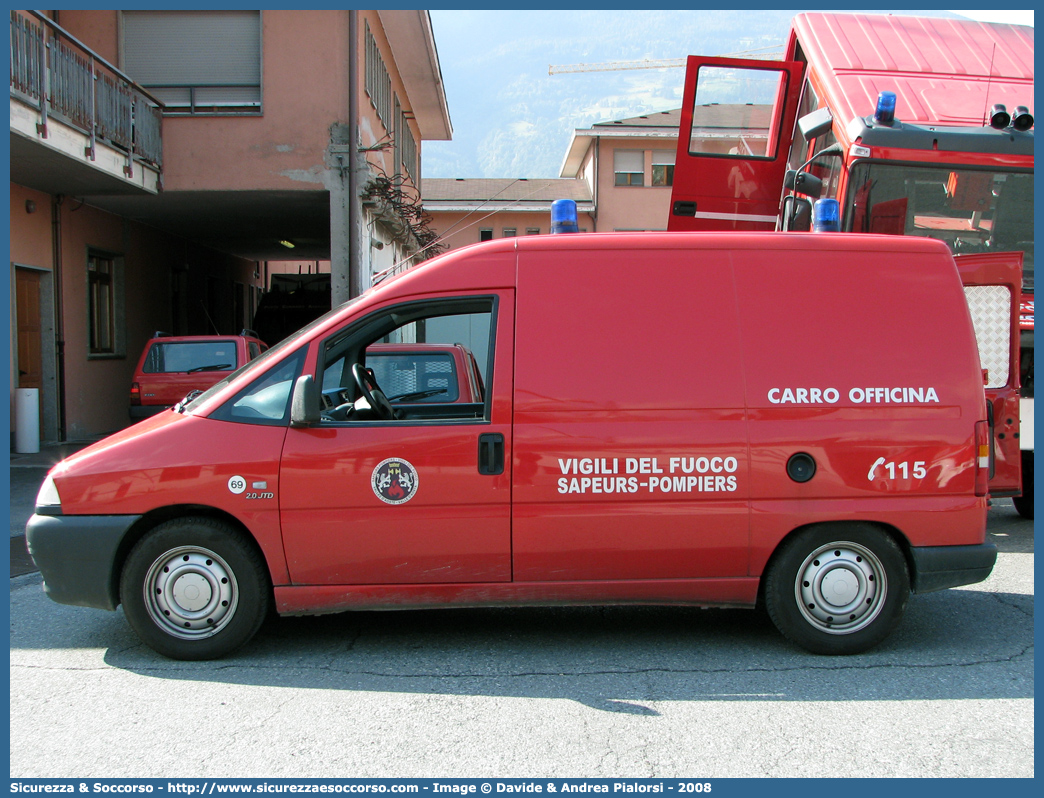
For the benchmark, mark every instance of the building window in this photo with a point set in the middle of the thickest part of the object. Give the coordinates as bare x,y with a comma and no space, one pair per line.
103,305
663,168
408,148
486,235
532,231
510,232
196,62
629,166
378,82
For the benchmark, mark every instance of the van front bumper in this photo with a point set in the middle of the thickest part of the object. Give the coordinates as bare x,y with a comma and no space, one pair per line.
76,555
940,567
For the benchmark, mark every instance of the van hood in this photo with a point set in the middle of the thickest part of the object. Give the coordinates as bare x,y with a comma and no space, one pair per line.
142,432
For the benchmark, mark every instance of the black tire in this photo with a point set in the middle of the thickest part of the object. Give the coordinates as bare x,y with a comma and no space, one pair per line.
195,589
864,575
1024,503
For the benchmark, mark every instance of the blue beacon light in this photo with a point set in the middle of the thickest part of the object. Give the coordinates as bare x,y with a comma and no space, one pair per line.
563,216
884,114
826,216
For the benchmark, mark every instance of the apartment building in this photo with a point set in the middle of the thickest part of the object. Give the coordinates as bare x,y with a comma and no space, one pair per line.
619,173
468,210
628,165
164,162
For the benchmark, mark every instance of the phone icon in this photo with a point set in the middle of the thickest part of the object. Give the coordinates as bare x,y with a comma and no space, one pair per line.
871,473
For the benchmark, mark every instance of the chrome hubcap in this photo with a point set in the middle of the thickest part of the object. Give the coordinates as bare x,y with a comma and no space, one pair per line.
190,593
841,587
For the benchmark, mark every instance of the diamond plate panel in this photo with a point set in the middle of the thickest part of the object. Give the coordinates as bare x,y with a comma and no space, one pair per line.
990,307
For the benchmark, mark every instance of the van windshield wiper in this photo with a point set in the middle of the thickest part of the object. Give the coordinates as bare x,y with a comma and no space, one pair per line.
180,406
213,367
415,395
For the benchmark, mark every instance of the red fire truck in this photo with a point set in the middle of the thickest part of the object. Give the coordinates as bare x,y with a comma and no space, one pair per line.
915,126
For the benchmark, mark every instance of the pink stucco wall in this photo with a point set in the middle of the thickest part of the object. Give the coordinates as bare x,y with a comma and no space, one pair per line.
466,231
631,207
304,93
97,388
30,232
96,29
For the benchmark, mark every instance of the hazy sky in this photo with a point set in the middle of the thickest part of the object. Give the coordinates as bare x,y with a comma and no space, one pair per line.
1012,17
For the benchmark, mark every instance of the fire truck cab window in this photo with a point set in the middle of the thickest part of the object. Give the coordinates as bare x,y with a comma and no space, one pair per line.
971,210
733,111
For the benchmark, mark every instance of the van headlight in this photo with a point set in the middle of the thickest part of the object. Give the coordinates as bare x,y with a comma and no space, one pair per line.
48,496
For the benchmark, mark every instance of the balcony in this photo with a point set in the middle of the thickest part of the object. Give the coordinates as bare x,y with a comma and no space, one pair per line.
79,126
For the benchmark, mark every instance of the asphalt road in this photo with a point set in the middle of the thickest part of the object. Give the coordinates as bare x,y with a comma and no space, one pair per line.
536,692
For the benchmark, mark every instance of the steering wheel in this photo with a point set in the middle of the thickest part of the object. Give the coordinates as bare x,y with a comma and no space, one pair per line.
372,392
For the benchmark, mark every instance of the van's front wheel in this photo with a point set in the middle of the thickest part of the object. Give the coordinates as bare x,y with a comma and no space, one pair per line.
838,590
194,589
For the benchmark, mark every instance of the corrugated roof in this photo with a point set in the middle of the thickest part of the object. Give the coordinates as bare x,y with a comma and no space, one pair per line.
504,189
946,71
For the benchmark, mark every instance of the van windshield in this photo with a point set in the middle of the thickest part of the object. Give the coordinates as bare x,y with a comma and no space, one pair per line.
258,364
971,210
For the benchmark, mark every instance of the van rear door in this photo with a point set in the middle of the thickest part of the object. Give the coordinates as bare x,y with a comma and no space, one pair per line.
992,286
733,143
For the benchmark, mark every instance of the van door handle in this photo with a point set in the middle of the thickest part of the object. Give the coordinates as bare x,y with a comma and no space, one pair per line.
491,453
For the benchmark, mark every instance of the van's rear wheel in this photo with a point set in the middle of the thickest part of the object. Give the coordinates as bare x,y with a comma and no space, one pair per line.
194,589
838,589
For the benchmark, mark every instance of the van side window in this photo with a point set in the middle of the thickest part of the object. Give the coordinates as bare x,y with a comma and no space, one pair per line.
267,399
419,362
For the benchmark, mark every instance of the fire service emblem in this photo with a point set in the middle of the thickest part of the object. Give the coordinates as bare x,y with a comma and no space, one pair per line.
394,481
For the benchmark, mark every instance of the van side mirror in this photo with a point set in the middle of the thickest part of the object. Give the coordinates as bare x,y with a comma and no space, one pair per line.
796,215
304,407
815,124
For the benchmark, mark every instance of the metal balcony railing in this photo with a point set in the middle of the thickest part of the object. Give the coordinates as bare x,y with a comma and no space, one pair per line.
53,71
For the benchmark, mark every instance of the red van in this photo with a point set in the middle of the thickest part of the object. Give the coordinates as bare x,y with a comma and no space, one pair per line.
172,366
642,436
